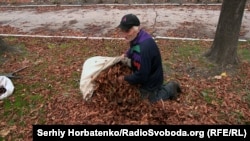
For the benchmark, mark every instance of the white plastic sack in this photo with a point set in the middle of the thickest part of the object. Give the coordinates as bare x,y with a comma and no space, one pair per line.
91,69
8,85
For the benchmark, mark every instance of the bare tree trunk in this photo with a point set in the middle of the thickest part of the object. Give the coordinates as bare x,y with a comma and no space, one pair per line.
3,46
224,47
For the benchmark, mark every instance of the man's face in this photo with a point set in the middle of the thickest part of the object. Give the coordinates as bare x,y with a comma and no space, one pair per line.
130,34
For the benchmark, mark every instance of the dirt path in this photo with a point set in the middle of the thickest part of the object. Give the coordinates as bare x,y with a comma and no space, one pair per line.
100,21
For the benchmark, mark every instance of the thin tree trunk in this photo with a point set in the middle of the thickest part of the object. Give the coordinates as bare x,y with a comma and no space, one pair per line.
3,46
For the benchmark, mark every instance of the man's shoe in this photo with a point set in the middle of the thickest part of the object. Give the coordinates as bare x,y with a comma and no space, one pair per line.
175,89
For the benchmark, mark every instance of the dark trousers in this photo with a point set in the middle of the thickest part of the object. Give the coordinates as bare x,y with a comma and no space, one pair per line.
164,92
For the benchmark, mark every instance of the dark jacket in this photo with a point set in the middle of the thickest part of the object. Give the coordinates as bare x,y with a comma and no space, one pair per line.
146,62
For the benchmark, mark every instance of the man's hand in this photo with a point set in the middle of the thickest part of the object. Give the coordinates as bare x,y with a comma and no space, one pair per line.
124,55
125,60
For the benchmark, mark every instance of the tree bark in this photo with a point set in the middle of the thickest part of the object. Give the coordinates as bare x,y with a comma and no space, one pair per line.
3,46
224,48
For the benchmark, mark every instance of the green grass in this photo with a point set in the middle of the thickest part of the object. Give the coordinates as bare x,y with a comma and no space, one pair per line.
15,110
244,54
189,51
208,95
